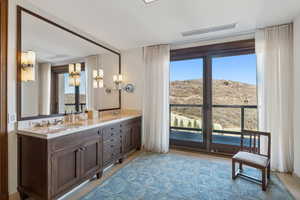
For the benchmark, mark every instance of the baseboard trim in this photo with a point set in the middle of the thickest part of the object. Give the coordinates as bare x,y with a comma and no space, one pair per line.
14,196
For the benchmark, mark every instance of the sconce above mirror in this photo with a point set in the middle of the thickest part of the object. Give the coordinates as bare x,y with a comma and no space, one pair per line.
62,71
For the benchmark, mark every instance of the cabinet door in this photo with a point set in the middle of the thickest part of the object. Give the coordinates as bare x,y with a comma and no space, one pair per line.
65,169
136,135
127,141
91,157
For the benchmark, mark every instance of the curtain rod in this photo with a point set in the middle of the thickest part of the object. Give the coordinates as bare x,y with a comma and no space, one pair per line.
277,25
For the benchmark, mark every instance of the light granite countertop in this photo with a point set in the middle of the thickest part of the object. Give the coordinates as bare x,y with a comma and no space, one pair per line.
81,125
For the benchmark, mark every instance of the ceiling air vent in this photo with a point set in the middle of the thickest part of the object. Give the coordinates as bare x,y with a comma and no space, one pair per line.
209,30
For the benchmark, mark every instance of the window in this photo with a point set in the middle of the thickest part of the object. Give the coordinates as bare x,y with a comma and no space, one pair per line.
66,98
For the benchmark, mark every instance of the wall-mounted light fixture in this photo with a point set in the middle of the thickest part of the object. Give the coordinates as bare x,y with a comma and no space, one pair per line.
118,79
74,74
98,76
28,60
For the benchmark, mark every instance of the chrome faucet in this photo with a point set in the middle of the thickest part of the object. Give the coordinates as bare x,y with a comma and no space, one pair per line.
116,112
58,121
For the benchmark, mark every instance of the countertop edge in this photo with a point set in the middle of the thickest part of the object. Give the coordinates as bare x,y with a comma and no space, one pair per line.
73,131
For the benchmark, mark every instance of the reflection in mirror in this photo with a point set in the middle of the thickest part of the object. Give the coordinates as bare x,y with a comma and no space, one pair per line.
60,77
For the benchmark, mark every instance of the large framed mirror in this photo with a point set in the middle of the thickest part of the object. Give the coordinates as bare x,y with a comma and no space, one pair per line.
60,71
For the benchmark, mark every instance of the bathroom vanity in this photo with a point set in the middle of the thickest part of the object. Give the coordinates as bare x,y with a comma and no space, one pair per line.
52,161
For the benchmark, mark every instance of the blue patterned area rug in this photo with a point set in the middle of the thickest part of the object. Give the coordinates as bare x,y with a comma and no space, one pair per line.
179,177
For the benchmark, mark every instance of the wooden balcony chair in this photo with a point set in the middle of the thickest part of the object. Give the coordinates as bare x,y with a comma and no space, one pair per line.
251,155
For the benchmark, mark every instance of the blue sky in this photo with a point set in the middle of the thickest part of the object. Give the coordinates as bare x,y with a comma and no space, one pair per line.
236,68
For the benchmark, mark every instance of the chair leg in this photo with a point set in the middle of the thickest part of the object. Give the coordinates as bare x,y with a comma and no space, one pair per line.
241,166
264,180
233,170
269,171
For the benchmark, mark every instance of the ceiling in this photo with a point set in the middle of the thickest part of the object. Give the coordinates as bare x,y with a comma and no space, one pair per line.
128,24
54,45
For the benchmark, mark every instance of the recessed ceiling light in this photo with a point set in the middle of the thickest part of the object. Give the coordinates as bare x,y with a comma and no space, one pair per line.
149,1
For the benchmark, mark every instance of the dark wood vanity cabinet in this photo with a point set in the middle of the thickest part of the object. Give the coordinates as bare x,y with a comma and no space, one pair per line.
72,164
50,168
131,135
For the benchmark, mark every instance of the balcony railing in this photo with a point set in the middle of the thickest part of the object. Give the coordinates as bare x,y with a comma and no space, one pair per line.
232,136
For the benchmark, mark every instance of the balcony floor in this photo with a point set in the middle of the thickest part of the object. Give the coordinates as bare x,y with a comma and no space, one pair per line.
197,137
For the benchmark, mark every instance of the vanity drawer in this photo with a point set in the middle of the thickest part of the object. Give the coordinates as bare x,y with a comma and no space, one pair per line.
111,152
75,139
112,143
111,131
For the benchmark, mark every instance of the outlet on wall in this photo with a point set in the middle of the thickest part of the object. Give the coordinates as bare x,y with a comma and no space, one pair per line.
11,118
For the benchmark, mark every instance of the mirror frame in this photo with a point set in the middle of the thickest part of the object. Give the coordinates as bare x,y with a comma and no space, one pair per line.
19,50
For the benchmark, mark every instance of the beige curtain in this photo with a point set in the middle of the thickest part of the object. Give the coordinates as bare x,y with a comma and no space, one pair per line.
90,64
156,99
274,50
44,88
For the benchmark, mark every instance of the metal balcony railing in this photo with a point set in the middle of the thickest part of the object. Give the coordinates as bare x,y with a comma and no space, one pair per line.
242,116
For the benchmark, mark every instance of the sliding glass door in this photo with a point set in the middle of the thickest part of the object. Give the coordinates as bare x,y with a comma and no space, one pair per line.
186,103
212,96
234,100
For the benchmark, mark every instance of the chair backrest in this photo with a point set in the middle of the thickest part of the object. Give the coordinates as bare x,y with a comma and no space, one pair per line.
251,142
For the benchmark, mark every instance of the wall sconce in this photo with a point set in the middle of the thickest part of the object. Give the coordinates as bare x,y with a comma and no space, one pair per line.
118,79
74,74
98,78
28,60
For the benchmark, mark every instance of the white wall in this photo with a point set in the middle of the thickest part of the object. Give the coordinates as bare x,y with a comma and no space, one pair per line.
97,98
297,96
30,96
110,65
11,97
133,71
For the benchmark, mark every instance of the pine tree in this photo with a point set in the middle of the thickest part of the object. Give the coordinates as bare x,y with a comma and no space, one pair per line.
181,123
176,122
196,124
190,124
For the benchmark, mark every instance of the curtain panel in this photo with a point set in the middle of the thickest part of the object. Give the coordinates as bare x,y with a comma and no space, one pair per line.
156,99
274,50
44,88
90,63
